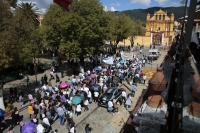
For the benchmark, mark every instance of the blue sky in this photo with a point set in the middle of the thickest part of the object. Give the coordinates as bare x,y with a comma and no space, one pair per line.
120,5
115,5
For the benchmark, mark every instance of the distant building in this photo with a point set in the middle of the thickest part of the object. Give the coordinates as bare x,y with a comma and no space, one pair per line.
159,26
40,18
159,30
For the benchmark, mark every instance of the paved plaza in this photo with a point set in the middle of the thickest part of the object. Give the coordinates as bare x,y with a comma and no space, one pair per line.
98,117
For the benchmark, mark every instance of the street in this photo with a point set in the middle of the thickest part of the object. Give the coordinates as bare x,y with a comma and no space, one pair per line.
98,117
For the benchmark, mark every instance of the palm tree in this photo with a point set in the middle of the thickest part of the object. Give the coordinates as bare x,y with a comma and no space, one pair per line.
13,3
28,11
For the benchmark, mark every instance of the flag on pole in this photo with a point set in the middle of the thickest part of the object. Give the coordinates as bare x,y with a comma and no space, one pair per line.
63,3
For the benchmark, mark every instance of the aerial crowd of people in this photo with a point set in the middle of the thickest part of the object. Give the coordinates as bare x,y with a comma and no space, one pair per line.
50,103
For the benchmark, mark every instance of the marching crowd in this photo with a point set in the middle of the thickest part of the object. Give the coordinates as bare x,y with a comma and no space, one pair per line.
50,103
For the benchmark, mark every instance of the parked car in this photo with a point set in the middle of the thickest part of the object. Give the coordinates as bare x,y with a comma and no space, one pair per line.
154,53
109,95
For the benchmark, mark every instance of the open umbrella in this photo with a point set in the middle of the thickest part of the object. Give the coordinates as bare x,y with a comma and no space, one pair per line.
98,68
63,85
121,61
76,100
95,87
1,112
29,128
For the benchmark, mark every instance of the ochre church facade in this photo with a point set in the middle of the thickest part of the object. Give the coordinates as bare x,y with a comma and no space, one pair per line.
159,26
159,30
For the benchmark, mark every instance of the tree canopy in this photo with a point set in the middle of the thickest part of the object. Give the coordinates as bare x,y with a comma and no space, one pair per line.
16,26
80,31
84,29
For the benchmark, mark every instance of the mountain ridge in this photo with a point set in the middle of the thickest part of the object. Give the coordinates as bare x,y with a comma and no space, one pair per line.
140,14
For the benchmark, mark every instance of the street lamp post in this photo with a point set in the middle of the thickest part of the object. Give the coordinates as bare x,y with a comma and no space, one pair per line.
35,65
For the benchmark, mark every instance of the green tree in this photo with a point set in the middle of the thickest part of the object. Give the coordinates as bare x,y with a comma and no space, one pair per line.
15,35
78,32
122,27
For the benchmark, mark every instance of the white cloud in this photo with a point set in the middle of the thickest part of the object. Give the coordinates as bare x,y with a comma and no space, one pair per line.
109,9
105,8
141,2
161,2
115,4
175,4
41,4
112,9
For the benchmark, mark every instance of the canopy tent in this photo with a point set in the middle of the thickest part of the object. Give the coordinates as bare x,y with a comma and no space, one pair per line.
108,60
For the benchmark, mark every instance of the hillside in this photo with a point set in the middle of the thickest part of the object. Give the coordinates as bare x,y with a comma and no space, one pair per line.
142,13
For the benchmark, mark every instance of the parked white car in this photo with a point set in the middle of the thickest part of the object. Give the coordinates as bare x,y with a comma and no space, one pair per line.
154,53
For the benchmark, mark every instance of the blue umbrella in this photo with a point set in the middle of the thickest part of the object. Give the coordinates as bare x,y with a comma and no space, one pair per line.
98,68
1,112
76,100
121,61
95,87
29,128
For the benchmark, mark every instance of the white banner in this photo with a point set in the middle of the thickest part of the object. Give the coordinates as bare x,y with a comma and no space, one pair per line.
126,56
108,60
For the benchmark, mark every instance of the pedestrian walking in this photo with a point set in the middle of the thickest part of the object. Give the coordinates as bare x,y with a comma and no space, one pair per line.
140,51
133,89
78,109
96,95
144,78
57,77
123,96
86,103
27,80
115,105
128,102
110,106
87,128
46,123
61,114
40,128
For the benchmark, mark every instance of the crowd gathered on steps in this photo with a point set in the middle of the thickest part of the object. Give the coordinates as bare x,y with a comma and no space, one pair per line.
50,103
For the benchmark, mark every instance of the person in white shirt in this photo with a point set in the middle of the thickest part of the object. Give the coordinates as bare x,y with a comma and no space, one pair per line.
110,106
40,128
144,78
89,95
56,88
72,129
123,96
88,72
44,87
86,103
78,109
140,51
46,122
143,62
74,81
96,95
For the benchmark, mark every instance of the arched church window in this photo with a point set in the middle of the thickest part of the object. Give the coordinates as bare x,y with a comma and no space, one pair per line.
163,17
159,17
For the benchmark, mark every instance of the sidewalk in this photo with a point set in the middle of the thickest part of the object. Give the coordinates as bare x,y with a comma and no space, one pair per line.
120,119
